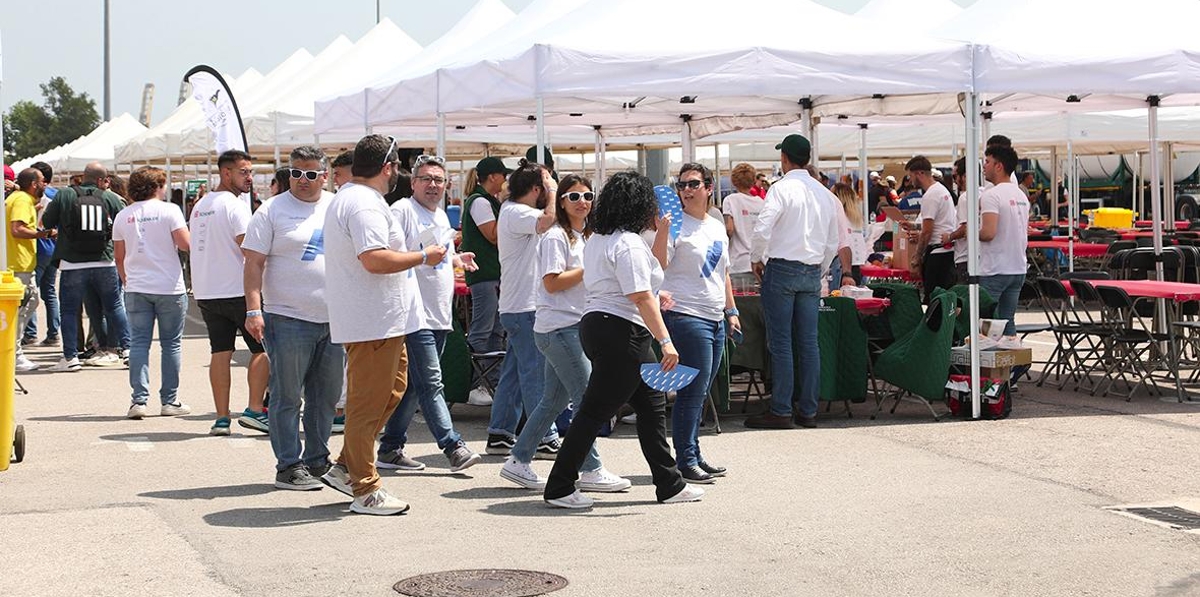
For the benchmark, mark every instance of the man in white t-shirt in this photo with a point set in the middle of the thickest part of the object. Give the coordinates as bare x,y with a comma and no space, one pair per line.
424,223
1004,212
284,281
740,212
938,217
372,307
218,223
528,211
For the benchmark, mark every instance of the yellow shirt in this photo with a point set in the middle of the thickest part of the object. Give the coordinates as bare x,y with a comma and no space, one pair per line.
22,252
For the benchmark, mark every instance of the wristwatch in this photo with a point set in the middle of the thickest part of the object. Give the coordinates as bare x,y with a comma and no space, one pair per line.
732,312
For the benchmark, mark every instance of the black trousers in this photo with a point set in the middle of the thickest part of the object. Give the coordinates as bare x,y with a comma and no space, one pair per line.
617,348
937,271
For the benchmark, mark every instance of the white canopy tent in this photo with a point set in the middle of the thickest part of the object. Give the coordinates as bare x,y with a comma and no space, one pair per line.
97,146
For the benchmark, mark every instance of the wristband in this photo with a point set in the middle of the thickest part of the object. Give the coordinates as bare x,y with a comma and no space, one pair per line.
732,312
424,256
665,341
254,313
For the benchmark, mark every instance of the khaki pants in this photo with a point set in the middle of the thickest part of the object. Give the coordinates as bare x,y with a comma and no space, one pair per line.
376,377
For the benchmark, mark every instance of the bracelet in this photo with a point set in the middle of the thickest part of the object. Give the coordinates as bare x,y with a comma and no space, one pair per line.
732,312
254,313
664,341
424,256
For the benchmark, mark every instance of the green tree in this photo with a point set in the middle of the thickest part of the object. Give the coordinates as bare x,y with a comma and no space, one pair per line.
30,129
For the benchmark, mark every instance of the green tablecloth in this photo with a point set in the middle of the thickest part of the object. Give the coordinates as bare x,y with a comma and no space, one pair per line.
842,340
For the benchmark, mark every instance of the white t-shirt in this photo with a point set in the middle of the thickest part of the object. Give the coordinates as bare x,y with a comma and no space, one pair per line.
365,306
291,233
556,254
151,259
853,238
423,228
617,265
517,240
1005,253
216,258
481,211
938,205
697,262
743,209
960,245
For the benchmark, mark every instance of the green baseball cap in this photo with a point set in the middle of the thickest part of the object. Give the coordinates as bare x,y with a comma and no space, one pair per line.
795,145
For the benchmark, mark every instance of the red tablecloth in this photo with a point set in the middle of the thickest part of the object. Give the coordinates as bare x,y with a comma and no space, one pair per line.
1179,224
874,271
1175,291
872,306
1081,249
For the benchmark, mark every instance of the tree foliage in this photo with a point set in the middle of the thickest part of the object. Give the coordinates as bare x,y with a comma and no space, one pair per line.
30,129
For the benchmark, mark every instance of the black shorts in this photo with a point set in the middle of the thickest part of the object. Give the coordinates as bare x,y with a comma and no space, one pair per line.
224,317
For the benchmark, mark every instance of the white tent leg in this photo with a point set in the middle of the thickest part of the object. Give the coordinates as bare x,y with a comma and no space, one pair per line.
813,140
275,138
601,159
972,163
689,148
441,134
862,173
1155,183
1169,184
806,124
1072,214
541,130
717,173
1053,197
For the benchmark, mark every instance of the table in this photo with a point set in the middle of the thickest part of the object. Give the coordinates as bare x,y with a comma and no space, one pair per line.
1179,224
884,273
1136,234
1081,249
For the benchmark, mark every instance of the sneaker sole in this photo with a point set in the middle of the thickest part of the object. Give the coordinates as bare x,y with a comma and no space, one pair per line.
66,370
220,431
175,413
677,499
544,455
522,481
335,487
558,503
709,481
337,431
614,488
388,466
291,487
498,451
254,424
135,417
472,461
378,511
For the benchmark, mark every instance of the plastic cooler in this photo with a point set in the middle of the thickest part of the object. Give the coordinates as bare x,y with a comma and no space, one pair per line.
1112,217
11,294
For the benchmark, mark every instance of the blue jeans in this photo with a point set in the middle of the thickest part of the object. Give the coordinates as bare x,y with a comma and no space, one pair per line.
791,295
143,311
1006,290
700,343
304,362
566,377
104,282
522,381
46,276
425,389
485,333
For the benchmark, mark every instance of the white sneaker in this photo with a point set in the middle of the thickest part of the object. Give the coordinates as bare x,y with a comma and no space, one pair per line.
1009,343
689,493
984,342
602,481
174,410
136,411
479,397
522,474
64,365
379,503
103,359
629,419
24,364
338,478
575,501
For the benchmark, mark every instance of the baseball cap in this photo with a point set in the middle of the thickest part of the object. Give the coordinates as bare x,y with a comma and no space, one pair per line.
531,156
491,165
937,173
891,178
8,173
795,145
874,175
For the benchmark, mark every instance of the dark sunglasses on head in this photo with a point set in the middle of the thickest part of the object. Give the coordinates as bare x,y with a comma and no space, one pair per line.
309,174
689,184
575,196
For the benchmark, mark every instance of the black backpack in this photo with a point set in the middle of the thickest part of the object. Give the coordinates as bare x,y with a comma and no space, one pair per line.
91,229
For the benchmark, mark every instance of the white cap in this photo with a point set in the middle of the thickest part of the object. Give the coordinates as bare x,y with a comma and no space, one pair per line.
891,178
937,173
874,175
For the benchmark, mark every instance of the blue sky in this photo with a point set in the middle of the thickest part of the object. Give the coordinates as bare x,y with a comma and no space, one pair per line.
157,41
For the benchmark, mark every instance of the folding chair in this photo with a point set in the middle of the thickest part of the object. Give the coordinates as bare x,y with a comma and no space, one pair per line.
483,364
1071,334
1132,343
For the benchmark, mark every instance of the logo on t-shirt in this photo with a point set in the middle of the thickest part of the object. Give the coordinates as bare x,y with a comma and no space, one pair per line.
315,246
714,257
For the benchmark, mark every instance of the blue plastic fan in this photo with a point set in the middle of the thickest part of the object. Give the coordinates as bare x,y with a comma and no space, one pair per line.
668,381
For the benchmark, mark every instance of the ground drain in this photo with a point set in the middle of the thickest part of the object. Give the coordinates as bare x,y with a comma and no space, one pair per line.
1172,516
481,583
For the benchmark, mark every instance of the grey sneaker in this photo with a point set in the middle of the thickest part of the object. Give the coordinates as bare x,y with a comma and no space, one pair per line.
296,478
136,411
463,458
379,503
396,460
338,478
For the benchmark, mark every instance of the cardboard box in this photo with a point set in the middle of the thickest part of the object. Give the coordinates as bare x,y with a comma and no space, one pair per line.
992,358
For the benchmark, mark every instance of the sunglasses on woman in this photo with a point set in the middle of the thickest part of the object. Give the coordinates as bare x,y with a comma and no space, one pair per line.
309,174
575,196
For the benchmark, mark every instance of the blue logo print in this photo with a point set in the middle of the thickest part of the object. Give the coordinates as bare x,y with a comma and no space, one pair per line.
714,257
315,246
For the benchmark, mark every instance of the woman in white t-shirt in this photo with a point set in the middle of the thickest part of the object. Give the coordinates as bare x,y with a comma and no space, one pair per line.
146,236
620,318
696,274
852,209
560,299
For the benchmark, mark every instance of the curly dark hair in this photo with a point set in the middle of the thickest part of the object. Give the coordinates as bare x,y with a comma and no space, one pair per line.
524,179
145,182
626,204
560,215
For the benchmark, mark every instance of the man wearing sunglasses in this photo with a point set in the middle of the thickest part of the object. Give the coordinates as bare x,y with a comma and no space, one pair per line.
425,224
373,304
285,301
480,211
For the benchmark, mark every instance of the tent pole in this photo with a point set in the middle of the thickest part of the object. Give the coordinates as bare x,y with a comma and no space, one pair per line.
806,119
441,133
541,130
597,150
689,149
972,164
1155,183
275,138
602,160
987,126
1071,219
1136,170
717,172
862,174
1053,198
1169,186
168,174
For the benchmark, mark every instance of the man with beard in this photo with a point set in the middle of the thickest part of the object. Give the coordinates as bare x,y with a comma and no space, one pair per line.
218,225
373,304
21,212
528,211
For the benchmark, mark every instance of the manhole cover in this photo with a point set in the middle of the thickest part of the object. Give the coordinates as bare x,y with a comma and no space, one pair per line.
481,583
1173,516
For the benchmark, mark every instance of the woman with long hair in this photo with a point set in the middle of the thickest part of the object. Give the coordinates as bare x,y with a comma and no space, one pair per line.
696,274
620,319
560,299
853,222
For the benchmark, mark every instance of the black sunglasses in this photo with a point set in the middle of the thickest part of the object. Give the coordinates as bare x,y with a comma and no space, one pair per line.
690,184
309,174
575,196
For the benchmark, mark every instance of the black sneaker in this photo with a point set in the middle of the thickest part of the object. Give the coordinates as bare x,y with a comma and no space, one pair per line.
694,474
716,471
319,470
499,444
548,450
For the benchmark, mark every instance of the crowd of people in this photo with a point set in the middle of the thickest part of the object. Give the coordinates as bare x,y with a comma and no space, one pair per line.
344,300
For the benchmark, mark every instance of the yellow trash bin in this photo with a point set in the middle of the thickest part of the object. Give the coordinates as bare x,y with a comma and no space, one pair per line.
12,291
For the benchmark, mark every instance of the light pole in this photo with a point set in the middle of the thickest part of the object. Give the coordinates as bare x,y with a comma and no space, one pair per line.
107,68
377,15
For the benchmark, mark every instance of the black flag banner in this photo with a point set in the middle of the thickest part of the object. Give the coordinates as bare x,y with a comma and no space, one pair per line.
220,110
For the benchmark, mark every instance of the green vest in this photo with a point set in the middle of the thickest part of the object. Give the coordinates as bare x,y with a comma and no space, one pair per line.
487,256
